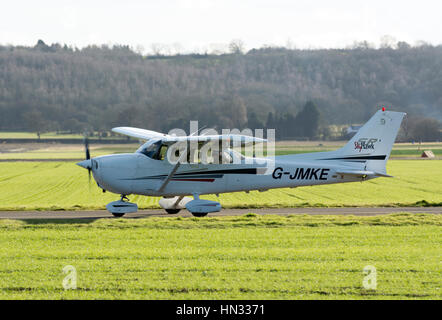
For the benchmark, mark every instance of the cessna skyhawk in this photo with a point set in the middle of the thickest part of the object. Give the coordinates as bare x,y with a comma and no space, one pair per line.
150,171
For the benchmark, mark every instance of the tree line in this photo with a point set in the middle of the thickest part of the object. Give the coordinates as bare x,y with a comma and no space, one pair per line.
299,92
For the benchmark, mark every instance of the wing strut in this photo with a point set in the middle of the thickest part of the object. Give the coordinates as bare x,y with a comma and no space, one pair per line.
175,168
166,182
178,200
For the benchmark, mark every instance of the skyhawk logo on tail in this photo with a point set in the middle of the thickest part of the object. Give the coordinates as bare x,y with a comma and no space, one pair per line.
365,143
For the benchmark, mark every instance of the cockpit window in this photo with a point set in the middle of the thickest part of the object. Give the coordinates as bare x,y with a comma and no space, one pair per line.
156,151
225,156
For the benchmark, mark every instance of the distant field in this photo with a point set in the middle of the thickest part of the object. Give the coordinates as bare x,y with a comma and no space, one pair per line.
45,135
32,135
248,257
76,151
61,151
63,185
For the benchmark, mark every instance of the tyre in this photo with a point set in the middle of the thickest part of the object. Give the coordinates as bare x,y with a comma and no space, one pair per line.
199,214
172,211
118,215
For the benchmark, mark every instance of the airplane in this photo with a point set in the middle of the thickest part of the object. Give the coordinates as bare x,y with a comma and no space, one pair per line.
151,172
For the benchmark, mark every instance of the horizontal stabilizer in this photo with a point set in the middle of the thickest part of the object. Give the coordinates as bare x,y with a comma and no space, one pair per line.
362,173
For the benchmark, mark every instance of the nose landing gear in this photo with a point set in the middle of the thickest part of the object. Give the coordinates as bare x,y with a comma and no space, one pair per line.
121,207
200,208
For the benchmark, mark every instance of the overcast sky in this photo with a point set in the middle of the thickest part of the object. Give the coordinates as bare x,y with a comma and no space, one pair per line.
197,25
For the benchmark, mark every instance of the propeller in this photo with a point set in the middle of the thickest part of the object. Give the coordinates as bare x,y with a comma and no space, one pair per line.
88,156
87,164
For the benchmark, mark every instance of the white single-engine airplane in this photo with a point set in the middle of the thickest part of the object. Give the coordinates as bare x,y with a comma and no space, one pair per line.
149,172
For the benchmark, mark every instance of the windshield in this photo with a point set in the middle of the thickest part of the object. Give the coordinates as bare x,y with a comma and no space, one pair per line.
154,150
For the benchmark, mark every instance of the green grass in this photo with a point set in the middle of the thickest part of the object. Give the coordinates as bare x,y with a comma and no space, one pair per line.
414,152
248,257
63,185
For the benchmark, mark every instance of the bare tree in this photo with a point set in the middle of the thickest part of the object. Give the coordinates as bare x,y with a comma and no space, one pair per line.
423,129
236,46
388,41
157,49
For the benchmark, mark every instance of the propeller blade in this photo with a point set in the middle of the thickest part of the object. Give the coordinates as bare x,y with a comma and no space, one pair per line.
86,147
88,158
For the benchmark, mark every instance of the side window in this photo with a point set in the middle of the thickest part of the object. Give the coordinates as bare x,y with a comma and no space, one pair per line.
162,153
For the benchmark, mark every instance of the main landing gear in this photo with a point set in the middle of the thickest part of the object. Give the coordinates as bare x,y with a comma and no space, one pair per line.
197,207
173,205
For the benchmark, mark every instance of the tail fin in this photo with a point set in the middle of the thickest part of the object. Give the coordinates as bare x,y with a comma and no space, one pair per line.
374,141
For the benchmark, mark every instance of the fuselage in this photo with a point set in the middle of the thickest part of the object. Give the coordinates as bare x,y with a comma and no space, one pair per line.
173,166
135,173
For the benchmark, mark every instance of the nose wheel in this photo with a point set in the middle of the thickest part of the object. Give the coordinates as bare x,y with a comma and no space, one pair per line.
199,214
121,207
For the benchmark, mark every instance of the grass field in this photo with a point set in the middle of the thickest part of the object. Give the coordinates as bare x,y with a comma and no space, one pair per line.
248,257
76,151
33,135
61,151
63,185
49,135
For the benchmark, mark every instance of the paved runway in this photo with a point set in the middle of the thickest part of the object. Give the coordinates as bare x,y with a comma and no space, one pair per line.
225,212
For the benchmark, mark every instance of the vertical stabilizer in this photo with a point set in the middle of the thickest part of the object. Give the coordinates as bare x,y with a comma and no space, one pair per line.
374,141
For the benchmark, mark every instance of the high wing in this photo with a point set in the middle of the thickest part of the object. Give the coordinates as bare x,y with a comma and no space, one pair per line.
168,139
244,140
139,133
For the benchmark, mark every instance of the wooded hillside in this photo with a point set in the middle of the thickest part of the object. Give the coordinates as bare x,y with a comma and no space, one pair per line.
60,88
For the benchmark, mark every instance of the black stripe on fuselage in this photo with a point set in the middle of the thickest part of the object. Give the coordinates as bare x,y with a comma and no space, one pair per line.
204,174
226,171
380,157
